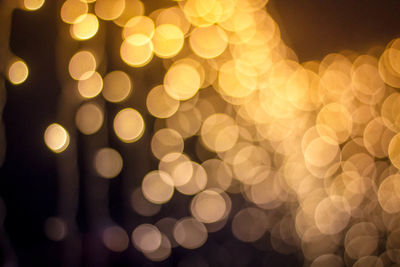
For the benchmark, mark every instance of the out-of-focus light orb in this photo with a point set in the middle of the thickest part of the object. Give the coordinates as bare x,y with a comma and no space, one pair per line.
56,138
190,233
18,72
158,187
208,206
141,205
146,238
167,40
160,104
133,8
178,166
208,42
197,182
394,151
55,229
182,81
109,9
72,11
129,125
336,122
166,141
332,215
162,252
90,87
327,260
249,224
89,118
139,25
389,194
115,239
108,162
33,4
173,15
137,50
117,86
82,65
219,132
86,28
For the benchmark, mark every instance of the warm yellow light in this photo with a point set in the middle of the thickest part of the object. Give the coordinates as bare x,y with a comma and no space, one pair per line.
56,138
157,187
33,4
117,86
82,65
129,125
72,11
182,81
90,87
137,50
86,28
167,40
18,72
109,9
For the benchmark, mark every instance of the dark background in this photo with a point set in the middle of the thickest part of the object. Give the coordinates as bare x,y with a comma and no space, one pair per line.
28,177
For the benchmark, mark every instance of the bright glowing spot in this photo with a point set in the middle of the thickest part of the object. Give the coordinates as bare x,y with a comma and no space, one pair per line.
82,65
91,86
167,40
208,42
182,81
141,25
109,9
208,206
129,125
158,187
86,28
72,11
137,50
160,104
219,132
56,138
133,8
108,162
33,4
146,238
18,72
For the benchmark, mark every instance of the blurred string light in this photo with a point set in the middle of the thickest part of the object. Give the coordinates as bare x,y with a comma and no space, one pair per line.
313,147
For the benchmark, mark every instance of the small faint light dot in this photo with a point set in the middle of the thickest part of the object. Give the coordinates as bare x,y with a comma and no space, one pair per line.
56,138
